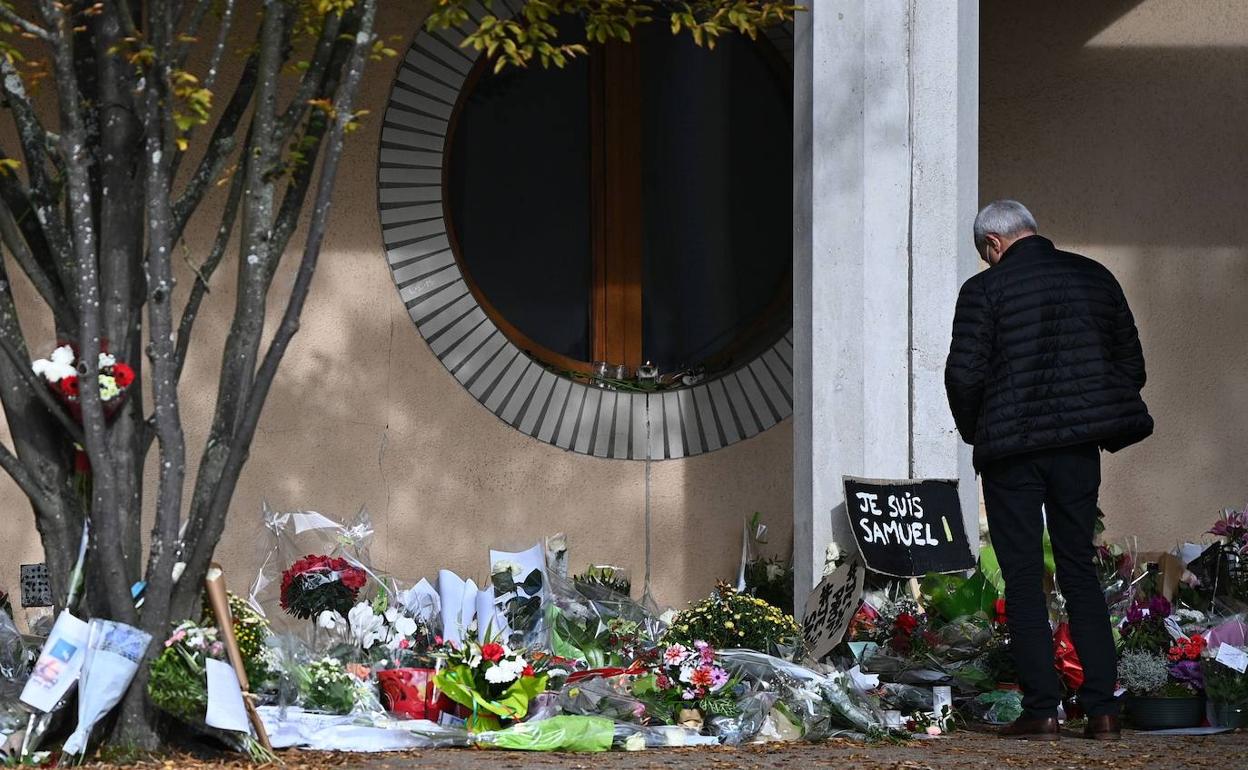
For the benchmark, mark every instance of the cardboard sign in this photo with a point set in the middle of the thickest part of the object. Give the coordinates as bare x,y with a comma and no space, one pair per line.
908,527
831,606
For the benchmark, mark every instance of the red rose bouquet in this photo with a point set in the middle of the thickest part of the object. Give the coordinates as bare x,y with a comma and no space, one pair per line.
315,584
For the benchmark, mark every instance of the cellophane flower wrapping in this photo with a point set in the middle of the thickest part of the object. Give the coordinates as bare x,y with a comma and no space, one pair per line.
114,651
558,733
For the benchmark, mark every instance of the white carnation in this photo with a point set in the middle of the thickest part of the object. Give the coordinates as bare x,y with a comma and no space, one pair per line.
500,674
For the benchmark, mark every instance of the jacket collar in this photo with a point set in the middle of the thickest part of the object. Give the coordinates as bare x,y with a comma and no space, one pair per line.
1028,244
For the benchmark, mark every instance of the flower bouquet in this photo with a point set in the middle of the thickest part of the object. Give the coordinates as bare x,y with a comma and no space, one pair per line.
686,685
728,619
317,584
494,682
177,682
1227,691
60,372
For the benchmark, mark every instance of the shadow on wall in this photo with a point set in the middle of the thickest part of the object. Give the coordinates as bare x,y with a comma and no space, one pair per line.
1121,127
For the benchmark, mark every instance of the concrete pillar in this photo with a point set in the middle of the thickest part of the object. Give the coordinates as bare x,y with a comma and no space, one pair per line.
885,147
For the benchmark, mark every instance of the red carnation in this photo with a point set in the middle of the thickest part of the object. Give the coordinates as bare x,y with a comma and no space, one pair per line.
493,652
123,374
69,386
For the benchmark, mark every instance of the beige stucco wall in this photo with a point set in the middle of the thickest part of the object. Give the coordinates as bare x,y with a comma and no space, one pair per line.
363,414
1120,124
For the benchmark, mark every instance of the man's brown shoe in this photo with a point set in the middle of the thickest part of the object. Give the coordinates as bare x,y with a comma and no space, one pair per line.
1103,728
1028,728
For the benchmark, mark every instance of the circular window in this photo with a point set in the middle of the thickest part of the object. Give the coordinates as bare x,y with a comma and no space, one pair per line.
631,209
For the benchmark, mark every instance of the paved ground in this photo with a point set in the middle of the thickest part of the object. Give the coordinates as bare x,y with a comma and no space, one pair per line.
962,751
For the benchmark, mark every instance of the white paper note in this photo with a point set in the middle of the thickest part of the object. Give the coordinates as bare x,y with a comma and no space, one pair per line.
226,709
59,663
1233,657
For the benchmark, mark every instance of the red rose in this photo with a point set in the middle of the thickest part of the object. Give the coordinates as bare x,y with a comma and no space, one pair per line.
528,671
906,623
493,652
999,611
123,374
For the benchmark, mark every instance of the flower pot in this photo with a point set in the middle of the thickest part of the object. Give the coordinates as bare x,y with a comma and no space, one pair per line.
1227,715
1165,713
409,692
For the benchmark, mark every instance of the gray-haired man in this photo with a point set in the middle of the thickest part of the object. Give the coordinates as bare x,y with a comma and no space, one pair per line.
1045,370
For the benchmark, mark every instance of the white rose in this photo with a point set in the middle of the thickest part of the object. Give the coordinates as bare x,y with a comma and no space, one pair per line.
507,565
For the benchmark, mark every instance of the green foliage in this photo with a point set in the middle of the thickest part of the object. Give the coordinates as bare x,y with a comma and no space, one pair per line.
177,685
600,576
532,35
729,619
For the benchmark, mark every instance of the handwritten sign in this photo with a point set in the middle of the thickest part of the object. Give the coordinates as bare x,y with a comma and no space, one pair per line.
908,528
831,606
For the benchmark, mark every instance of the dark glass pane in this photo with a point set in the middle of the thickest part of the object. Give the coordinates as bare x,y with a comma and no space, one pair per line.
717,198
518,187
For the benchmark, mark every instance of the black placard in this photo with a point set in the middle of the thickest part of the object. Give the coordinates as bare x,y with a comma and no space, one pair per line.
908,527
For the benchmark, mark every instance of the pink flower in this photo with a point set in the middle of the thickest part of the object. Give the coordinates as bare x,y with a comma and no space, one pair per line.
701,677
687,695
675,654
933,730
719,678
216,649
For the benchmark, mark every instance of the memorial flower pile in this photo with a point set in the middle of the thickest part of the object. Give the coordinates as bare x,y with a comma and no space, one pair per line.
318,584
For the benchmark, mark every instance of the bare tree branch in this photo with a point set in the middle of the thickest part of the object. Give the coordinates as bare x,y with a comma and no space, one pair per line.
204,273
22,364
43,282
158,119
29,27
105,518
219,148
312,79
209,524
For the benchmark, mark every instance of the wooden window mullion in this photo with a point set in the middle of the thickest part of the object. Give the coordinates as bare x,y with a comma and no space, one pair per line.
615,199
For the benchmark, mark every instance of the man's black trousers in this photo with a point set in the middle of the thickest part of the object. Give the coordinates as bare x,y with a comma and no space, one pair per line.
1065,482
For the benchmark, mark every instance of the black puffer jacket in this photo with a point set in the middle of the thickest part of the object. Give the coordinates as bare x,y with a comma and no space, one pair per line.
1045,354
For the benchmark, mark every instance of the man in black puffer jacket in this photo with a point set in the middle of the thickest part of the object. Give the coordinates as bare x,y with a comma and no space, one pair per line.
1045,370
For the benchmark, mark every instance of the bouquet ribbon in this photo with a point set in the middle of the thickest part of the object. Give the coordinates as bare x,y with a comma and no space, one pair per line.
634,669
1069,669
